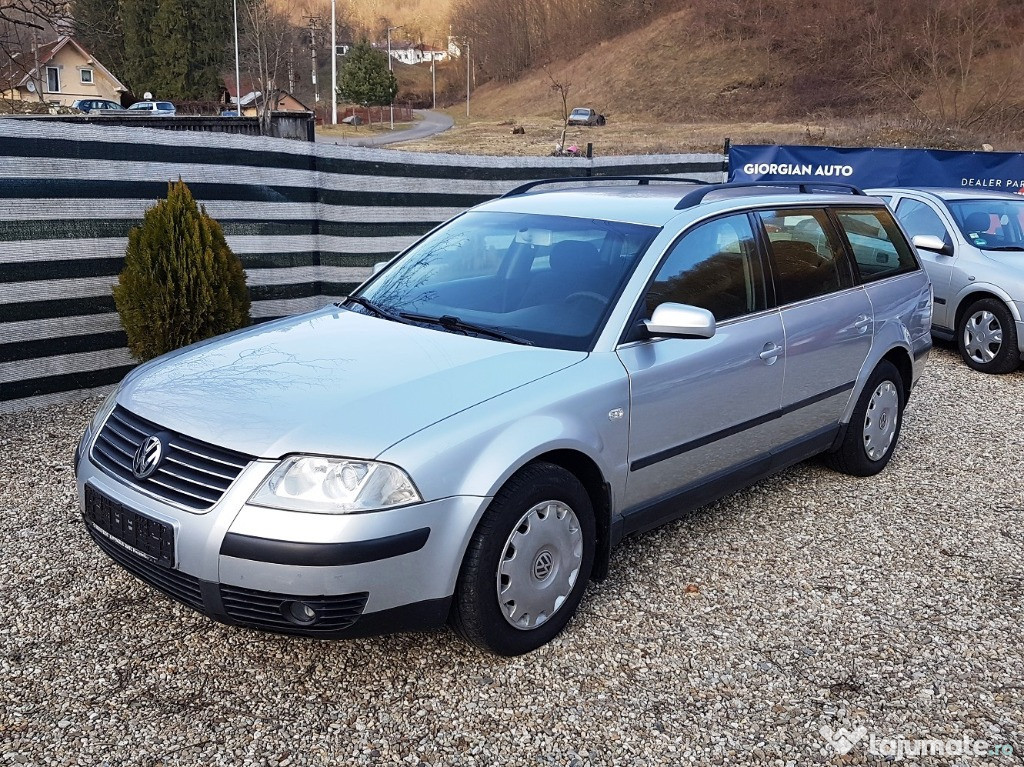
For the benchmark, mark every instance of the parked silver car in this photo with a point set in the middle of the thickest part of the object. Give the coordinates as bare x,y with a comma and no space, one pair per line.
153,108
469,434
972,245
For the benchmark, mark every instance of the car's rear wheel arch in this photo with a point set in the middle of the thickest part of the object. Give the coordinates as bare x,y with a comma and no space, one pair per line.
900,358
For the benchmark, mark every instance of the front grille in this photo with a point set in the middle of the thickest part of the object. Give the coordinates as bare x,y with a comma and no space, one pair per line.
174,583
265,609
192,474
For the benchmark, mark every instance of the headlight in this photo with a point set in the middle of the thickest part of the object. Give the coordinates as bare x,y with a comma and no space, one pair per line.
105,409
334,486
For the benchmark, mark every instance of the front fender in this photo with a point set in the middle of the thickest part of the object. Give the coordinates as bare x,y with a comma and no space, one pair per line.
986,287
474,452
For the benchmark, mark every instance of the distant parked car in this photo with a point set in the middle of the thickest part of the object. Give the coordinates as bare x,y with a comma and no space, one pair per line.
972,246
97,106
156,108
585,116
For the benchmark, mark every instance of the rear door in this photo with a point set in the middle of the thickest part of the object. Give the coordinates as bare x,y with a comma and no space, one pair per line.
700,407
827,320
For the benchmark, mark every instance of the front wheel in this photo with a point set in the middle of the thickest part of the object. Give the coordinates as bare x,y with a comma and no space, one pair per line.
528,563
987,337
874,426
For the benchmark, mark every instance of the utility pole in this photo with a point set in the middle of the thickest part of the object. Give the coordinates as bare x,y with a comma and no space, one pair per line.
315,23
238,77
334,63
390,30
467,77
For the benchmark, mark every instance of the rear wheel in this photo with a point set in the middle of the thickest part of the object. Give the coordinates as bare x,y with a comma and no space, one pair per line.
987,337
874,426
528,564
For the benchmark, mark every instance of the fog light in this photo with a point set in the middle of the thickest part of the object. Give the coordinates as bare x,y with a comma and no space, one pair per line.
299,613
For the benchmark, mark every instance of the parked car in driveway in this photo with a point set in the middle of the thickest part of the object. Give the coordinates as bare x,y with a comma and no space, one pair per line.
468,435
97,106
972,245
155,108
585,116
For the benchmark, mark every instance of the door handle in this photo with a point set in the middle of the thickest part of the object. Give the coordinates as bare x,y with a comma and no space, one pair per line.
862,322
770,352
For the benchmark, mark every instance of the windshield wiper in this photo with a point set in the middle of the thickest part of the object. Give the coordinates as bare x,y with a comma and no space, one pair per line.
448,322
1005,247
372,307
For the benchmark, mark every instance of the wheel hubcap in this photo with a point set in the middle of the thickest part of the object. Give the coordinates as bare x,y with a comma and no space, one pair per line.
880,420
983,335
539,564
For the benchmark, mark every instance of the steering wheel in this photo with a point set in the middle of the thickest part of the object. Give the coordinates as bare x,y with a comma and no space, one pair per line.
588,295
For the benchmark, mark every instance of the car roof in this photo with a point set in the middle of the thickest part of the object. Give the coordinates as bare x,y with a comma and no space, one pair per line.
656,204
948,193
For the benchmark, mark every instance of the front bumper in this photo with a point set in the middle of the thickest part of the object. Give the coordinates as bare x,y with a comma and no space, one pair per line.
361,574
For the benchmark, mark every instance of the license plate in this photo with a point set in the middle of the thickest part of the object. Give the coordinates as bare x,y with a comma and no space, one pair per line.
142,535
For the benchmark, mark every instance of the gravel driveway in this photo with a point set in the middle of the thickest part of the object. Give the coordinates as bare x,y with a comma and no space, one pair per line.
733,636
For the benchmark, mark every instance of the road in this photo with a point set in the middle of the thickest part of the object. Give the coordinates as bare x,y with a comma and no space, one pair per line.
429,124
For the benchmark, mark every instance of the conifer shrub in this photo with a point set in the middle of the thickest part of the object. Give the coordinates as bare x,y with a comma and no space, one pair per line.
180,283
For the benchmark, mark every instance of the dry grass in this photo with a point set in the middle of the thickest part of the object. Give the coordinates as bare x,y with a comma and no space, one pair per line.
631,137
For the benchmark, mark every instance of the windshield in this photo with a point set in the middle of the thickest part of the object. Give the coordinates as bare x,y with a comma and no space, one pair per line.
991,224
549,280
141,105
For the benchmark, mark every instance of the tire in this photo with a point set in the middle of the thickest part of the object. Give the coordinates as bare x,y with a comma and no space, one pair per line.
533,549
874,428
986,337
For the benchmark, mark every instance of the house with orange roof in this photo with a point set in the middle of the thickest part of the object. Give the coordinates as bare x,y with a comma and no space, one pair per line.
61,71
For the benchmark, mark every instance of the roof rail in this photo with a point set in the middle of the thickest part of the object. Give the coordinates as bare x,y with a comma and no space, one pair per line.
641,181
804,187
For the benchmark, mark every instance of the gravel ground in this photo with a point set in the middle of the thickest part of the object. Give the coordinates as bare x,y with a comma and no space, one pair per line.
730,637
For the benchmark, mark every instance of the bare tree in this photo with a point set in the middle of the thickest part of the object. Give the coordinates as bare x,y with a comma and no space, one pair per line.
270,38
562,89
24,25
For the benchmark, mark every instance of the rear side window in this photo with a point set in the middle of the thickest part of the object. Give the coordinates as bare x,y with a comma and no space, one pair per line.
714,266
807,256
878,246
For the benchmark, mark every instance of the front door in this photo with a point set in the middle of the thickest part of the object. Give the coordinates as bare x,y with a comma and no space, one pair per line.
699,407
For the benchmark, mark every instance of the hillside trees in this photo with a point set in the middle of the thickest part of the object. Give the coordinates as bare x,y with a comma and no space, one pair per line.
174,48
511,37
952,63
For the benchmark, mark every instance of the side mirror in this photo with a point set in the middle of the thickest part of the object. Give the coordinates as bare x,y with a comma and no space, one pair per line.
681,321
932,243
377,267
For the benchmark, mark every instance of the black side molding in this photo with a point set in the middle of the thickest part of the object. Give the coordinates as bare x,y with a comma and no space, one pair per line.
323,554
672,452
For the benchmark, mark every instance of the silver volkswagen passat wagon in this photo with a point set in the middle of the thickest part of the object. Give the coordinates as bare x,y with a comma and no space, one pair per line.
468,435
971,243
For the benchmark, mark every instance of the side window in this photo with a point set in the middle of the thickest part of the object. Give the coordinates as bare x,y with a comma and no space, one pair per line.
918,218
879,248
714,266
807,255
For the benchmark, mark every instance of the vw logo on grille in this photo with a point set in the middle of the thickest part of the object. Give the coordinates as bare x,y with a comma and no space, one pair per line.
542,567
147,457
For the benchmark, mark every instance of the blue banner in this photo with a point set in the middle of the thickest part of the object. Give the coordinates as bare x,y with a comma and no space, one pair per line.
993,171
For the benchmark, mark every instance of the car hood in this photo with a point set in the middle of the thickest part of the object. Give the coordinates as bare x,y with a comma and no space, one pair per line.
1011,258
332,382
